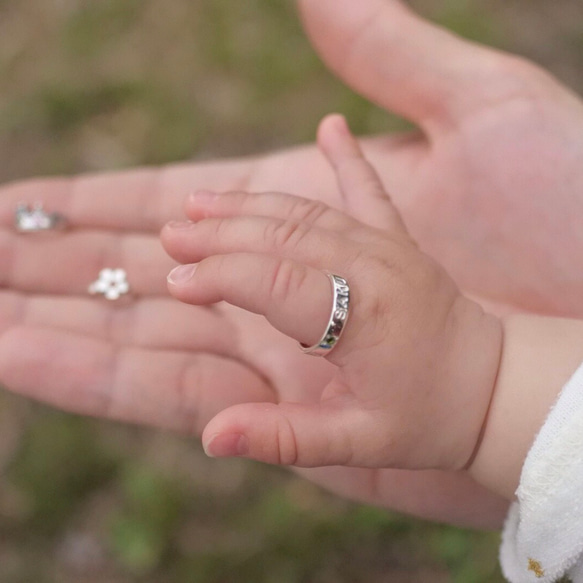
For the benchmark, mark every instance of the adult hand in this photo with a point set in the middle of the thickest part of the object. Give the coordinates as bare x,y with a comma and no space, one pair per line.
492,185
152,360
466,187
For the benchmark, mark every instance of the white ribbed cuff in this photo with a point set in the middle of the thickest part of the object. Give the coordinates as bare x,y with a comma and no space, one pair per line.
543,535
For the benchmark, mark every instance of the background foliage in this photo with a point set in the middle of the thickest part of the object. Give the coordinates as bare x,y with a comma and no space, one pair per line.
87,86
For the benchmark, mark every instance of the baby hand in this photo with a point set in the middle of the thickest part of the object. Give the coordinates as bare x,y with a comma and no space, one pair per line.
416,364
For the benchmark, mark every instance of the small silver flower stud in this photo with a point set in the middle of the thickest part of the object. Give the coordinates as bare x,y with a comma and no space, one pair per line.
111,283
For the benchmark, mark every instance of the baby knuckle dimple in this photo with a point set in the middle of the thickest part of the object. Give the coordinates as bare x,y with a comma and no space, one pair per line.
218,228
286,280
286,449
309,210
285,234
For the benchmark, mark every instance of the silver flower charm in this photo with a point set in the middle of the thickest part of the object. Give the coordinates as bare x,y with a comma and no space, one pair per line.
111,283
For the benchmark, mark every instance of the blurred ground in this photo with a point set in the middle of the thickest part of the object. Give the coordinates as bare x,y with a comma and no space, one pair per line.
88,85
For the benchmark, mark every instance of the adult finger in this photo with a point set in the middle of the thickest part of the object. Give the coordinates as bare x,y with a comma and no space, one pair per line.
145,199
169,389
69,262
150,323
205,204
403,63
363,192
295,299
135,200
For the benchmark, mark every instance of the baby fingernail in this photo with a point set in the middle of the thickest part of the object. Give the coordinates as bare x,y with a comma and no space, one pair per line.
227,445
203,197
182,274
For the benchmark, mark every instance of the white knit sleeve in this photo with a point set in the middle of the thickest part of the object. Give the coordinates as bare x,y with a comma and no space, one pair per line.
543,535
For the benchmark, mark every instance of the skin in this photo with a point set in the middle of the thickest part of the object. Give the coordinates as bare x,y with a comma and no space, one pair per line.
416,353
465,185
423,377
491,185
540,355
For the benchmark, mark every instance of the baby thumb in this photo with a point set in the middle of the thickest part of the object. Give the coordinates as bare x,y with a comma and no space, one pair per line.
305,435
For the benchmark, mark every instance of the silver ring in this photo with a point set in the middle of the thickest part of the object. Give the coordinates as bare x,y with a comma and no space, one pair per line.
34,219
111,283
338,318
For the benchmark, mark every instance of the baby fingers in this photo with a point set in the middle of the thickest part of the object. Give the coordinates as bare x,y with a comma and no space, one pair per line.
295,299
297,240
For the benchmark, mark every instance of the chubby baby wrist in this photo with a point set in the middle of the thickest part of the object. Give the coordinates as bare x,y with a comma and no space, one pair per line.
470,383
540,355
482,340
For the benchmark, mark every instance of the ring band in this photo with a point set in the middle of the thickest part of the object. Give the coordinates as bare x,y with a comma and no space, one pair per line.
34,219
338,318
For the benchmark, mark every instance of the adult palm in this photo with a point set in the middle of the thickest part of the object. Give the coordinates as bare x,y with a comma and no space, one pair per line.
489,186
492,184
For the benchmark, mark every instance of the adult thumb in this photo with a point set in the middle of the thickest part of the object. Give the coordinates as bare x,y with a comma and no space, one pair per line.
401,62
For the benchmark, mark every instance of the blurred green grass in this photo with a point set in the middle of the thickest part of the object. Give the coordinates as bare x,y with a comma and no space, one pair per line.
90,85
112,503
